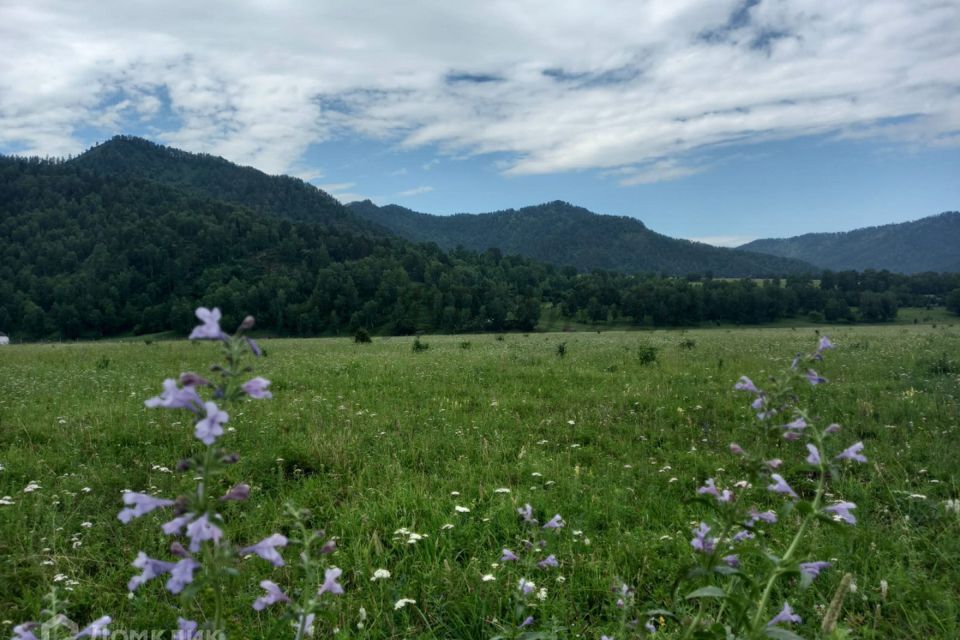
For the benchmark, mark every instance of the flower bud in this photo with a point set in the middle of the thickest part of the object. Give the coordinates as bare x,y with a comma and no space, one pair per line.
247,324
238,492
191,379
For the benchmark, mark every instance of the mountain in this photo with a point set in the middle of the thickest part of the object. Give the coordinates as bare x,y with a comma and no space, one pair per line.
566,235
218,179
928,244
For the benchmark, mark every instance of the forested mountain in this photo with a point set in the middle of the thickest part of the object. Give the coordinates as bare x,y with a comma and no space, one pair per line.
213,177
563,234
928,244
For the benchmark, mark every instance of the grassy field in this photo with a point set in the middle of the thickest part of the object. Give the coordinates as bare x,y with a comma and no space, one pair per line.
374,438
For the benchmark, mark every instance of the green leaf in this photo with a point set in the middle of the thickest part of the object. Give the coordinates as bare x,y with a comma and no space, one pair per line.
781,634
706,592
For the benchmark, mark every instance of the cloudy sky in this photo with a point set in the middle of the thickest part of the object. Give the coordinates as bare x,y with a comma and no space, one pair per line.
717,119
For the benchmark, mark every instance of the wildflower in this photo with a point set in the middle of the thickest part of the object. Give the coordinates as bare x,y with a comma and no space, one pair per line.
201,530
208,429
446,526
740,536
460,509
711,489
273,594
182,574
330,584
556,522
186,629
549,561
96,629
525,586
140,504
237,493
267,549
813,569
786,615
489,577
814,378
256,388
780,486
526,512
151,569
799,424
173,397
380,574
508,556
841,511
746,384
852,453
254,347
7,501
649,626
177,524
526,622
822,346
402,602
210,329
774,463
732,560
814,457
501,490
833,428
25,631
769,517
736,449
700,541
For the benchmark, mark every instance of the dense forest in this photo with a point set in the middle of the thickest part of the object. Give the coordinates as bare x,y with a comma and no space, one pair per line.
87,254
928,244
566,235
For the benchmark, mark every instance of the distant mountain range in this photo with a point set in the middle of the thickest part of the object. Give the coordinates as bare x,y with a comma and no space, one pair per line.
563,234
928,244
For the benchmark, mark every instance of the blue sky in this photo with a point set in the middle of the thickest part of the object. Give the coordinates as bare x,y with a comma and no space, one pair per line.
723,120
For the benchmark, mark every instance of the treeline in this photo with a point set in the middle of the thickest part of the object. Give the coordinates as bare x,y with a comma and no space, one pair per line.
83,255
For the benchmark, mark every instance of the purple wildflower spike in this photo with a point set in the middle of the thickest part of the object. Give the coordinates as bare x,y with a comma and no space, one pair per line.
273,595
740,536
737,450
201,530
96,629
700,541
833,428
210,329
732,560
823,344
556,522
175,526
238,492
710,488
814,456
508,556
267,549
813,569
330,584
549,561
140,504
746,384
173,397
780,486
182,574
186,630
799,424
208,429
814,378
257,388
774,463
525,586
151,569
526,512
25,631
786,615
770,517
841,510
254,347
526,622
852,453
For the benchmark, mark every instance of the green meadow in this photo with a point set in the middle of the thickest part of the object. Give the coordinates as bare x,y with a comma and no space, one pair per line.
374,438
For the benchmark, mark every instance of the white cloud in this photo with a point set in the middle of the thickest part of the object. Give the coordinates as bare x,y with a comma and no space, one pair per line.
724,241
416,191
615,85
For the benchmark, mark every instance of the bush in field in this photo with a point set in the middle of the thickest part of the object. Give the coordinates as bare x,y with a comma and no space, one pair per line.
419,345
362,336
647,354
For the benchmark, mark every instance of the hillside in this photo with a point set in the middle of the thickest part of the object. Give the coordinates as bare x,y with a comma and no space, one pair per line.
566,235
928,244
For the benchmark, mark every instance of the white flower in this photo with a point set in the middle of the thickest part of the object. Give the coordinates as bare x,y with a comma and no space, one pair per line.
454,493
33,486
501,490
460,509
86,525
59,577
542,594
447,526
6,501
571,422
380,574
950,505
536,474
402,602
489,577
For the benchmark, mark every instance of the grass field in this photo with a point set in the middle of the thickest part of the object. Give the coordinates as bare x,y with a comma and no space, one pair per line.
374,438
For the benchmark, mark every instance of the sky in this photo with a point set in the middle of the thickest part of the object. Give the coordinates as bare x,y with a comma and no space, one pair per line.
717,120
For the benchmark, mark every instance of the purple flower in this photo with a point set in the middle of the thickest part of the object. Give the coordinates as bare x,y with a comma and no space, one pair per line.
814,378
832,428
330,584
182,574
508,556
186,629
841,510
526,622
737,450
732,561
813,569
25,631
780,486
267,549
254,347
769,517
526,512
852,453
549,561
238,492
173,397
700,541
525,586
740,536
649,626
822,346
96,629
140,504
306,623
257,388
774,463
210,329
786,615
798,424
746,384
175,526
328,547
201,530
210,428
151,569
556,522
814,457
272,595
711,489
